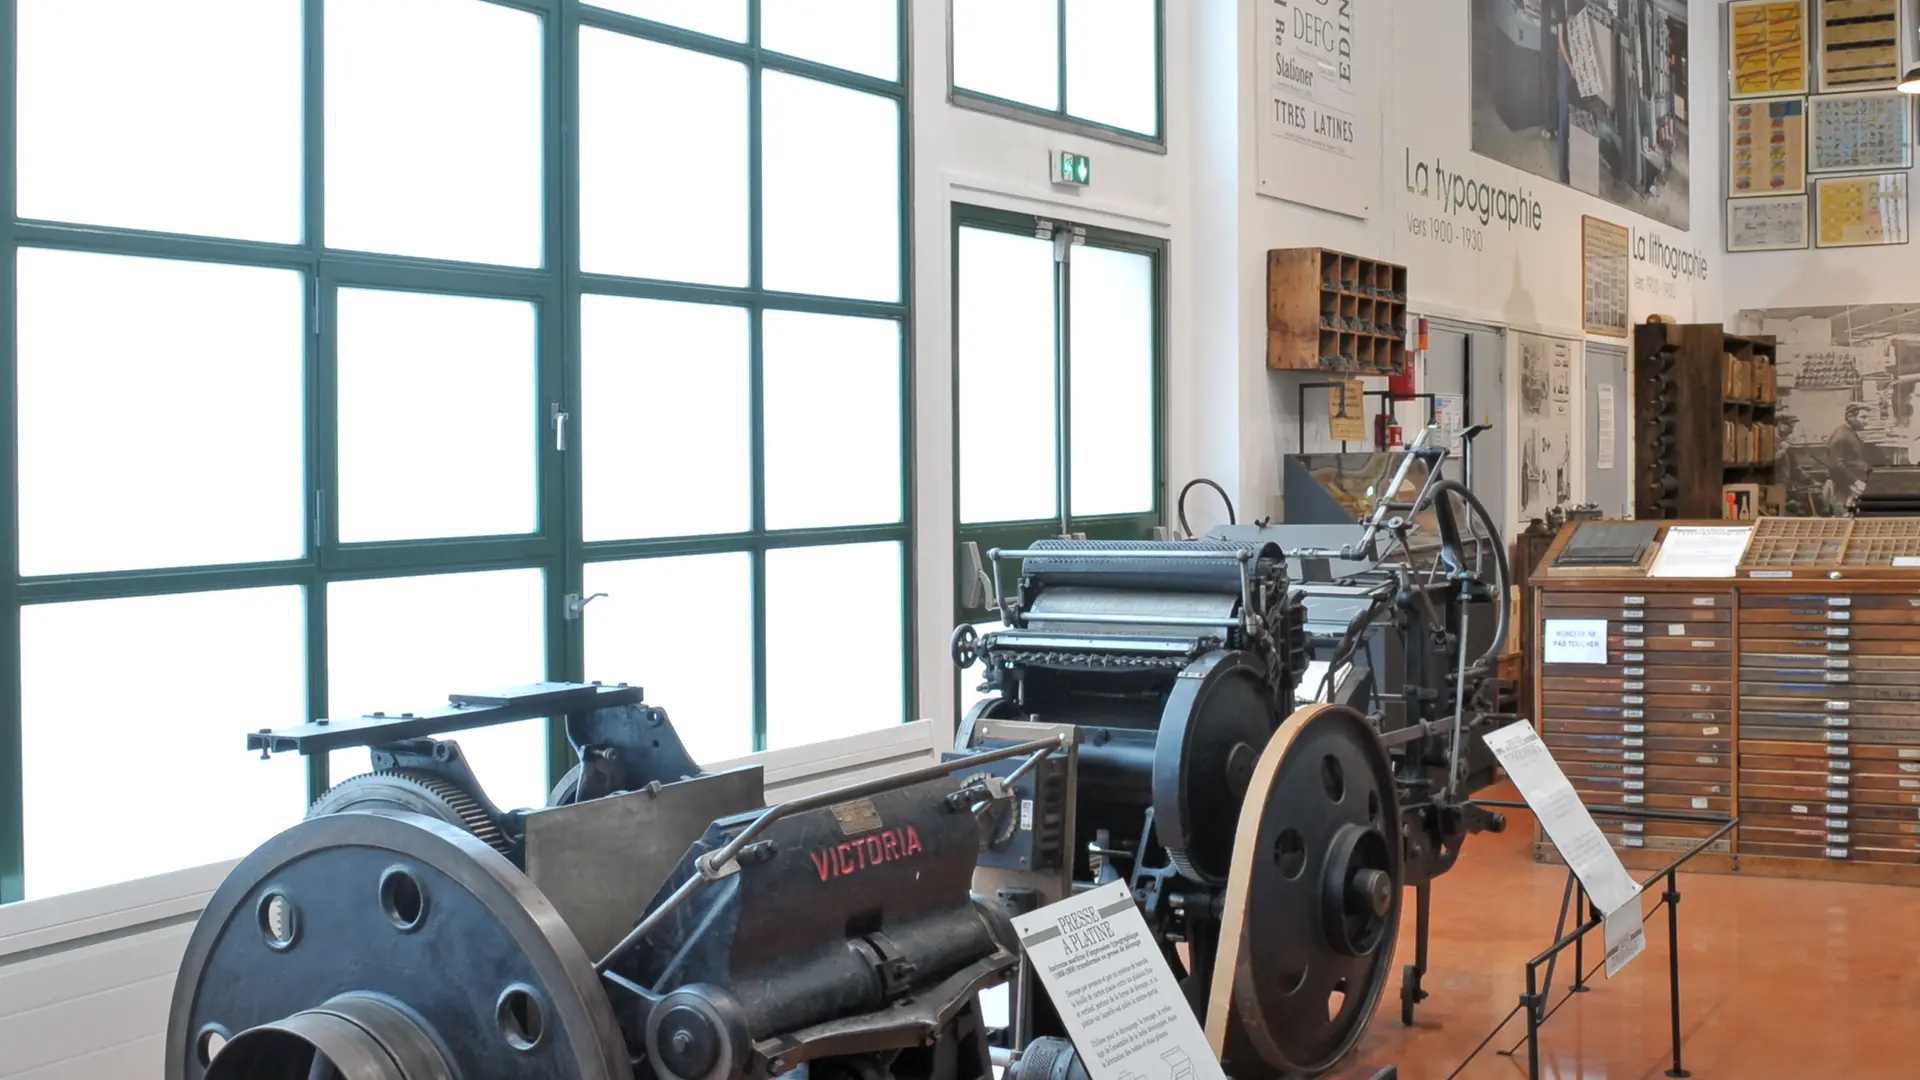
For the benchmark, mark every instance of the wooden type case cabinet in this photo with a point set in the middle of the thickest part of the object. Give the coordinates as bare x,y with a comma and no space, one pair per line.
1791,697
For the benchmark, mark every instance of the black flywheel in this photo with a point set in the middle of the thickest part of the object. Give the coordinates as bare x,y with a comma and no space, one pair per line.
1212,729
1313,900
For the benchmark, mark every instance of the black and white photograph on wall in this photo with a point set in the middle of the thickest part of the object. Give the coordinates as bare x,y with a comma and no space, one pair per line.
1590,93
1849,398
1546,424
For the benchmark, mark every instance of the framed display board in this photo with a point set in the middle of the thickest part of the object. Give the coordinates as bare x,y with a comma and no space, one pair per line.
1766,148
1859,44
1860,132
1767,51
1774,223
1605,274
1861,211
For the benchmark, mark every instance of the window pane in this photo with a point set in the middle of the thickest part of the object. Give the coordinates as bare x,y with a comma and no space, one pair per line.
172,784
663,161
859,35
433,129
1113,63
721,18
805,591
832,403
664,424
1008,49
403,644
129,115
683,629
1112,336
830,174
1008,464
407,356
160,413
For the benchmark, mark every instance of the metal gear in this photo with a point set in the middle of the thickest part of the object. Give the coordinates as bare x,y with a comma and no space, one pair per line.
414,791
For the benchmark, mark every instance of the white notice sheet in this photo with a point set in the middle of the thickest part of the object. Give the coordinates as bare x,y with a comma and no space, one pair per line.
1567,823
1626,936
1126,1015
1605,400
1701,551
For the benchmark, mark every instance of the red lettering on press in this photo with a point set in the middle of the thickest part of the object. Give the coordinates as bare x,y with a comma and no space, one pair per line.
864,853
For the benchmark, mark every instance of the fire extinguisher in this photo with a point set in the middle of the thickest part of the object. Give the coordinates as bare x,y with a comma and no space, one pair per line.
1386,431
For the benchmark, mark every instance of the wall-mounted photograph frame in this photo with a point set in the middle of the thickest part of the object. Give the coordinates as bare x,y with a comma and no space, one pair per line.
1858,44
1773,223
1861,210
1766,147
1606,273
1865,132
1767,48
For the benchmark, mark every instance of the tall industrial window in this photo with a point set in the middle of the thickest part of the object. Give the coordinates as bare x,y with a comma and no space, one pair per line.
1092,66
361,351
1057,385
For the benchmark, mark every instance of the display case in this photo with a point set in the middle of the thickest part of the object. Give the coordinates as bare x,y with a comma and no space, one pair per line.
1786,692
1341,489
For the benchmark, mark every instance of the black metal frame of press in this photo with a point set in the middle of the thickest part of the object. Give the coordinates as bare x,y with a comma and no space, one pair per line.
1534,1001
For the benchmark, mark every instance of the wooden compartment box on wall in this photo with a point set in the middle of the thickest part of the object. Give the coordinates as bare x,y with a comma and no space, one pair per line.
1789,694
1328,311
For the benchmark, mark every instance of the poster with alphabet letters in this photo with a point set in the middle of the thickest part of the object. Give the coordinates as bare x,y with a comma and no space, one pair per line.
1318,120
1775,224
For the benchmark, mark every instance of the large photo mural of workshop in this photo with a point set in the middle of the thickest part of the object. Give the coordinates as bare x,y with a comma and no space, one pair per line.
1848,377
1591,93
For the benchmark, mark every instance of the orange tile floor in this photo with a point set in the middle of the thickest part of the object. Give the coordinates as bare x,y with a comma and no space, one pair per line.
1793,980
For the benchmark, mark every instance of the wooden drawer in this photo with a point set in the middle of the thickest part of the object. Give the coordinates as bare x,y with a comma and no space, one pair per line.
1751,602
1598,801
1628,714
1813,823
1791,650
1899,856
1666,683
1751,807
1612,787
1815,832
1553,601
1808,790
1810,612
1751,763
1793,851
1633,700
1907,800
1654,728
1761,633
1649,758
1690,646
1634,744
1893,831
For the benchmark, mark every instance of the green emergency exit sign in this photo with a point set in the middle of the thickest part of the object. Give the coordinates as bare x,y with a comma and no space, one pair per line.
1072,168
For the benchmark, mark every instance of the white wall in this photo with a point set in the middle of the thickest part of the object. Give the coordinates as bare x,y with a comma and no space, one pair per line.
964,156
1517,278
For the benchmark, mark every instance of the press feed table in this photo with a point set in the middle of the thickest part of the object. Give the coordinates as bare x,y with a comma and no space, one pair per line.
1788,694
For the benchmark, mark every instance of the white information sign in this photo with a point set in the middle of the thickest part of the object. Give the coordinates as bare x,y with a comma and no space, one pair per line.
1701,551
1574,641
1567,823
1319,128
1105,974
1605,404
1626,936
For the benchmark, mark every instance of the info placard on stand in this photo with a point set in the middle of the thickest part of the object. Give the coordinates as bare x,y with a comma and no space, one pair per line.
1113,989
1550,794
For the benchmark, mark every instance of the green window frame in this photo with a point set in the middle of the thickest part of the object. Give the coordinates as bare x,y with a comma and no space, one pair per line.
555,288
1013,535
1061,118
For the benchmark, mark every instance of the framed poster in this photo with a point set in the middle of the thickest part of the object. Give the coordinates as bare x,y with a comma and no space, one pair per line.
1605,272
1861,211
1767,148
1319,126
1775,223
1767,53
1859,132
1859,44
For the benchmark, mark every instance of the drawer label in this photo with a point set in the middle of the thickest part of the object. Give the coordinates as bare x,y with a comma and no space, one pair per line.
1706,716
1836,853
1781,574
1838,751
1633,841
1836,823
1634,714
1634,614
1633,657
1837,838
1840,616
1838,676
1700,802
1632,699
1796,808
1639,729
1633,599
1633,755
1705,644
1709,731
1676,629
1838,721
1635,770
1839,646
1908,767
1910,785
1843,781
1633,628
1839,601
1633,826
1840,765
1634,671
1833,794
1835,736
1633,685
1838,631
1704,601
1635,643
1839,808
1700,688
1706,759
1633,800
1910,753
1634,785
1839,706
1838,663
